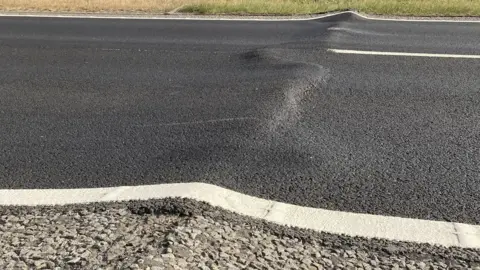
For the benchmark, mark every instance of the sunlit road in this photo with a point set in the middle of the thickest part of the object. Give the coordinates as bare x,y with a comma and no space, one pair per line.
271,109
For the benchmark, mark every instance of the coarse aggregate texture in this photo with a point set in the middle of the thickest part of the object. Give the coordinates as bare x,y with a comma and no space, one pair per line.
261,108
186,234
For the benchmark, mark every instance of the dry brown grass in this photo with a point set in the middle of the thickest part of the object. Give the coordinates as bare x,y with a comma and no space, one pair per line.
155,6
390,7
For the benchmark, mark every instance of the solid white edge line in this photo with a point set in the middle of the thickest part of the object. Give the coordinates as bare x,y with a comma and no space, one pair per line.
353,224
191,16
406,19
379,53
185,16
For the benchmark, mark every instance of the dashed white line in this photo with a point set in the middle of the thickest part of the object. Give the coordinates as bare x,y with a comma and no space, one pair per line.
353,224
408,54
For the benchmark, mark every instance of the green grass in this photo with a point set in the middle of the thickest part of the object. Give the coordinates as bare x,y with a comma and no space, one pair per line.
293,7
253,7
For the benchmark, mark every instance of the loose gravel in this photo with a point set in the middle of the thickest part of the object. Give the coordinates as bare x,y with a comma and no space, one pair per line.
185,234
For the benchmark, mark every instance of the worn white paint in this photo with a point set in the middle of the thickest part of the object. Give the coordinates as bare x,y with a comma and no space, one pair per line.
407,54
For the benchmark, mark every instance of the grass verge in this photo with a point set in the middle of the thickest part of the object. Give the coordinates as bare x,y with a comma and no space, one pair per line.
253,7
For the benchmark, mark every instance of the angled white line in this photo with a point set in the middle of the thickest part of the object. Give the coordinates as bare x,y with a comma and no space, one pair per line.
380,53
353,224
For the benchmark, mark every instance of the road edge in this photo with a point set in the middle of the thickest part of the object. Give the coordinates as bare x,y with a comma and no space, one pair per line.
226,17
352,224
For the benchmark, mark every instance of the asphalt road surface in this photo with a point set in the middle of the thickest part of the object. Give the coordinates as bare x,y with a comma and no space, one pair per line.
258,107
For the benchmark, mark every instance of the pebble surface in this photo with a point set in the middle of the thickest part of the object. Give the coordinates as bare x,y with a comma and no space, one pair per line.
185,234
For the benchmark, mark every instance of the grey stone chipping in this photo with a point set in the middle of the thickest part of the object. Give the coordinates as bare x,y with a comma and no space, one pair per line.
184,234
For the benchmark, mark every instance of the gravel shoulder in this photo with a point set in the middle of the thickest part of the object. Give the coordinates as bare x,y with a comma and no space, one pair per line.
185,234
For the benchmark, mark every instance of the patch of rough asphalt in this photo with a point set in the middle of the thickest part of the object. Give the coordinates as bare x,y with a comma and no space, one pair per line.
186,234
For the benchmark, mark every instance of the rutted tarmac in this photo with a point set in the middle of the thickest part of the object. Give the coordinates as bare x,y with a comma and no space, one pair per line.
260,108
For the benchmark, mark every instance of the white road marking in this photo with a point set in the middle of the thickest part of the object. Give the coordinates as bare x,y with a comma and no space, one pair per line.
220,18
185,16
435,55
353,224
425,19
